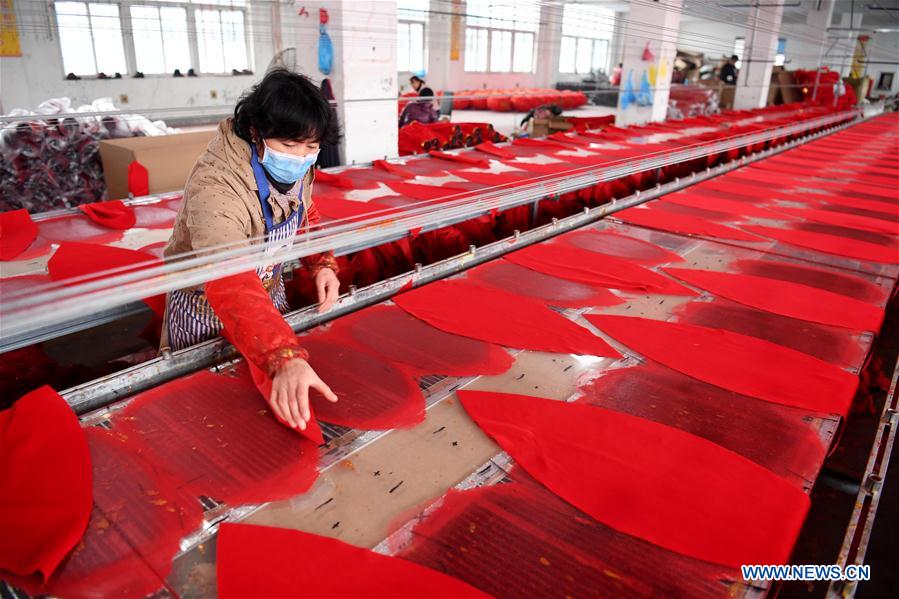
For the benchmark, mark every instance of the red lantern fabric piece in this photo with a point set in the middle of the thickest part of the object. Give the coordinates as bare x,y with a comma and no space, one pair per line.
844,219
786,298
830,244
620,246
685,225
463,158
45,489
395,169
567,262
138,179
17,232
471,310
74,262
113,214
733,207
837,282
737,362
261,561
491,148
647,479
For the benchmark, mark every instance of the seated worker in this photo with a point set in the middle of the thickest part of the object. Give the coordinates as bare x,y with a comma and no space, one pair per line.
728,72
423,111
253,186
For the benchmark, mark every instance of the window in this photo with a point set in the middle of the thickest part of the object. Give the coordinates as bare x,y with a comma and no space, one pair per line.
151,55
780,56
165,35
586,38
411,53
90,36
503,31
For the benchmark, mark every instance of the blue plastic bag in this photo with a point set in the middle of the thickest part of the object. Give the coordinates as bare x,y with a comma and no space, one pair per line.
628,96
325,51
644,96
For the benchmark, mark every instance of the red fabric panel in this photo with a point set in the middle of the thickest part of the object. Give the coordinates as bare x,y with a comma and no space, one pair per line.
17,232
695,212
396,169
417,191
847,220
138,519
113,214
537,545
395,335
831,344
80,260
45,487
214,435
837,282
844,201
138,179
884,193
489,147
338,208
830,244
621,246
647,479
495,179
567,262
554,291
734,207
736,362
337,180
261,561
373,394
471,310
780,438
665,221
555,168
786,298
463,158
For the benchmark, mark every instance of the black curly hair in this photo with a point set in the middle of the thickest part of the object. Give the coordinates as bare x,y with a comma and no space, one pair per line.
286,105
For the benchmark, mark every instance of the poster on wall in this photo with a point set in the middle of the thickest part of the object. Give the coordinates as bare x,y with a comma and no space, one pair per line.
9,31
456,30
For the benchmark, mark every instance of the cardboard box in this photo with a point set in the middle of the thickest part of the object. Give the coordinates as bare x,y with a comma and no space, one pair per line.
726,92
543,127
167,158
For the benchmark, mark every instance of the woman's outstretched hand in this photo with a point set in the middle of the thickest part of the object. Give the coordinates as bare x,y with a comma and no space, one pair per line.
290,392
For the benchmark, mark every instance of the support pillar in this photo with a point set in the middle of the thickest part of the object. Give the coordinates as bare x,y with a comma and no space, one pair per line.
762,32
656,24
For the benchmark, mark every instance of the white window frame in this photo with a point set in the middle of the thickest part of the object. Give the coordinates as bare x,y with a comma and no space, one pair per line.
579,39
497,25
414,13
191,6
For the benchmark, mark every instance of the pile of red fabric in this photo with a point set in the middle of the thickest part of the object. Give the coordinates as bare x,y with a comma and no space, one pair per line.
418,138
516,100
828,83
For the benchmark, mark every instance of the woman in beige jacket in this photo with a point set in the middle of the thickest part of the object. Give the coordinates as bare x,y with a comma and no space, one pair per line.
253,186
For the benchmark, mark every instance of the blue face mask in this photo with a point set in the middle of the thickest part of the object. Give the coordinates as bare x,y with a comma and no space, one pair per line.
286,168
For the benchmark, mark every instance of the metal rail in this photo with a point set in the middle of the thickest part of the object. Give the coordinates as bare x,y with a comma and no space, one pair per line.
26,319
103,391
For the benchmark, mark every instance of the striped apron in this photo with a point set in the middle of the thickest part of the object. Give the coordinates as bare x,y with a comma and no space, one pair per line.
189,317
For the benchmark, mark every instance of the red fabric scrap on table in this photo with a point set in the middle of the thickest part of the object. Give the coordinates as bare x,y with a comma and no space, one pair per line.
339,208
845,202
45,487
334,180
488,147
647,479
138,519
471,310
837,282
831,344
830,244
780,438
666,221
80,260
212,435
567,262
496,179
463,158
262,561
736,362
138,179
17,232
734,207
786,298
553,168
396,169
620,246
398,336
554,291
843,219
113,214
417,191
373,394
549,548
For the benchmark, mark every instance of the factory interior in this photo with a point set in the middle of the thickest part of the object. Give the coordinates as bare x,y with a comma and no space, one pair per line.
449,298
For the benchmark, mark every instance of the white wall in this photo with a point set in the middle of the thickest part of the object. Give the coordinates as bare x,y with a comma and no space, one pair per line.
884,48
38,74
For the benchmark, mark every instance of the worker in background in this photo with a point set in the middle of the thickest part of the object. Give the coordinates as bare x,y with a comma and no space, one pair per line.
419,85
728,72
253,186
422,111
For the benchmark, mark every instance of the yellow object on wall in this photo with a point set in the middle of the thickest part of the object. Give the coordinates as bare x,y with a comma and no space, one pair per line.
9,30
456,30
